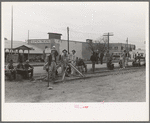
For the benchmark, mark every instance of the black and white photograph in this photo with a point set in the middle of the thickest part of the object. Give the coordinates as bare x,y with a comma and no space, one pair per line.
78,55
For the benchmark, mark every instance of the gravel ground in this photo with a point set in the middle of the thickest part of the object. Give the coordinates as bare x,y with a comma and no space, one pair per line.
122,87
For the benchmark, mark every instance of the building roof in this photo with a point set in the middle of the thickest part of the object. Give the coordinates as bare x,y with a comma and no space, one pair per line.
21,43
73,41
54,33
101,43
23,47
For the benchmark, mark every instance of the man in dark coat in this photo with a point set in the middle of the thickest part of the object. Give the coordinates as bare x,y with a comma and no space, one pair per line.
29,69
82,66
97,57
52,63
108,57
21,69
101,57
55,54
93,59
110,65
11,72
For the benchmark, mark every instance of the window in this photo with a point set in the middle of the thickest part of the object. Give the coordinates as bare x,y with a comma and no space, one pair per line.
116,48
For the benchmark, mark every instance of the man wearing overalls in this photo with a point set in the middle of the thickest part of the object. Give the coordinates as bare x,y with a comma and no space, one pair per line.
64,61
52,64
73,61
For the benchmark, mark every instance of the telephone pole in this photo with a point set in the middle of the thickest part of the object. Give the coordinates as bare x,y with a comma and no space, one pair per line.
127,52
28,35
68,38
108,34
127,44
11,31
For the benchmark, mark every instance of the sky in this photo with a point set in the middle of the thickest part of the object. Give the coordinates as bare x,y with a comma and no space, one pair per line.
86,20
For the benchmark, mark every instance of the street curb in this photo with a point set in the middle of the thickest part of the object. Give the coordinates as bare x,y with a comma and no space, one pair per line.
89,75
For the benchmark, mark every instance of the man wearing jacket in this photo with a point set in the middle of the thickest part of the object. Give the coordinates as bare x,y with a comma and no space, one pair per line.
46,53
101,57
93,59
10,71
108,57
52,63
29,69
55,55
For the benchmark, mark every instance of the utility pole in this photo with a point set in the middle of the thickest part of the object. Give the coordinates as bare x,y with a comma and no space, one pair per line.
28,36
108,34
127,52
68,38
127,44
11,31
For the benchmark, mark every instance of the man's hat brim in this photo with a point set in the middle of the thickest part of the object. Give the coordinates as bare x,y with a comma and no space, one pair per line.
73,51
64,50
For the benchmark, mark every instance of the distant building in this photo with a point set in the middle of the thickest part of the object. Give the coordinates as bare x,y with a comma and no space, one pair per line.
139,51
54,39
120,47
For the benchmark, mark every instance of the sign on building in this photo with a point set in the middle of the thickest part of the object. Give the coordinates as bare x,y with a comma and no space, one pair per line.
43,41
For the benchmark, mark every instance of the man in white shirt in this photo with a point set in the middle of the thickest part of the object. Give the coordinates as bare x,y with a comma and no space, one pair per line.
107,56
73,61
64,61
124,59
46,53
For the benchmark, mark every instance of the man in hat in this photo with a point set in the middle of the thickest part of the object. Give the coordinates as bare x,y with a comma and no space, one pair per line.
107,56
73,60
21,69
64,61
11,72
93,59
101,57
52,63
124,58
110,65
56,54
29,69
46,53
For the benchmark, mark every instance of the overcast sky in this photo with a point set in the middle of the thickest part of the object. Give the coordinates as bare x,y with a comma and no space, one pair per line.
84,19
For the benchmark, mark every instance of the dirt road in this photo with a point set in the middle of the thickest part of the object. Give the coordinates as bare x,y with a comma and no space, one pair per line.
122,87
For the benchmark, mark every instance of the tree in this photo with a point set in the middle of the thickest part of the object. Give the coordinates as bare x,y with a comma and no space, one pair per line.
98,45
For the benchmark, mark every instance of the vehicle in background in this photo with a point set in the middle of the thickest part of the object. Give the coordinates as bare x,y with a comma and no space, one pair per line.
116,55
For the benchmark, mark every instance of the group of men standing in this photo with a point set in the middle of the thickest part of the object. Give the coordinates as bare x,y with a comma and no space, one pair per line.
95,57
52,63
108,57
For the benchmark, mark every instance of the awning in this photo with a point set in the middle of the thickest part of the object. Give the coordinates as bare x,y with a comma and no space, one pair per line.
23,47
